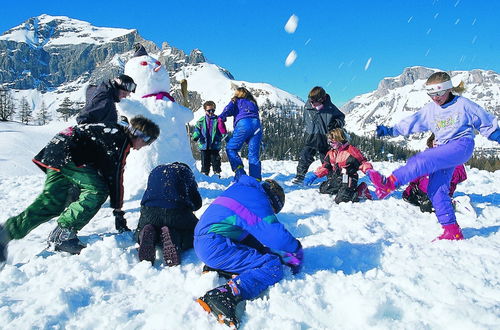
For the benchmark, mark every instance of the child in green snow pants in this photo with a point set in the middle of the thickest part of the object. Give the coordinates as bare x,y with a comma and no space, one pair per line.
51,202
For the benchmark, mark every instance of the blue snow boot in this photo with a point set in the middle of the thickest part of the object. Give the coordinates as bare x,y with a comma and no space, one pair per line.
65,240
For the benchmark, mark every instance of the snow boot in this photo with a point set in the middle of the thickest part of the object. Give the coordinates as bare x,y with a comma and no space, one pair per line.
147,243
171,253
363,192
451,232
65,240
223,273
4,240
299,179
222,302
238,173
383,186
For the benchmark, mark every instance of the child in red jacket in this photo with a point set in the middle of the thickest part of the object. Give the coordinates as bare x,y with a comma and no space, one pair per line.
416,192
341,164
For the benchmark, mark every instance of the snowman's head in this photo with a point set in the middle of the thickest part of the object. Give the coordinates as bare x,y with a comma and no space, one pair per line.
148,73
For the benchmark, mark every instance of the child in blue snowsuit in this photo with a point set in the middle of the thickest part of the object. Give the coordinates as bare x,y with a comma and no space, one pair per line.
247,128
453,120
245,213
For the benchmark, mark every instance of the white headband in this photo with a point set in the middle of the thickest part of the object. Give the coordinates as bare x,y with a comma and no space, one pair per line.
439,87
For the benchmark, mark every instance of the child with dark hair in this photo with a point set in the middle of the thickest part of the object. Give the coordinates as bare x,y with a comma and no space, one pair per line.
453,119
167,216
341,164
247,129
92,157
239,234
209,133
416,192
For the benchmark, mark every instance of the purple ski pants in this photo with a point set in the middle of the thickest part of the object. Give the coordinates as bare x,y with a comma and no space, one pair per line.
439,163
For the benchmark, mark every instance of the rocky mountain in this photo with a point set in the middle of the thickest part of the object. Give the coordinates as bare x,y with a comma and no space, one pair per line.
398,97
48,58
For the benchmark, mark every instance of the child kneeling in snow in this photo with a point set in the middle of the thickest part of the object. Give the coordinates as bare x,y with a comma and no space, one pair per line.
416,192
167,213
245,212
453,119
341,164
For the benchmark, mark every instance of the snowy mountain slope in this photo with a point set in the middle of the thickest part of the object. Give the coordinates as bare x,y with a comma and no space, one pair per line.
369,265
401,96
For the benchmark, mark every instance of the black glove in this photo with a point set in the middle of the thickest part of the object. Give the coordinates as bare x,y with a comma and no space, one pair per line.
120,221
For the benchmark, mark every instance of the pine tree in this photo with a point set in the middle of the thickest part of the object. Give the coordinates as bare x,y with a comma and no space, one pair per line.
66,109
25,111
7,110
43,117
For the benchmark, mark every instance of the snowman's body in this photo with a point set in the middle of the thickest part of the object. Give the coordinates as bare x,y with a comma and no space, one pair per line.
149,100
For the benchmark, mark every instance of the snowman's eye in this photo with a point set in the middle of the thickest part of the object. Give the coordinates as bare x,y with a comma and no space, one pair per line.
158,63
144,63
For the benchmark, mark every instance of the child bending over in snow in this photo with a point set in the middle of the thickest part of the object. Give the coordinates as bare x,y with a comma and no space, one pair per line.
452,119
240,234
416,192
92,157
341,164
167,213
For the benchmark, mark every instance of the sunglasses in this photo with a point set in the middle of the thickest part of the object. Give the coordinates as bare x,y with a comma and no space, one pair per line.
128,86
440,93
146,138
210,110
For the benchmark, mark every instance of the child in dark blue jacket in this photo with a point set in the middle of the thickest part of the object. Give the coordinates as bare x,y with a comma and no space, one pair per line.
167,213
245,213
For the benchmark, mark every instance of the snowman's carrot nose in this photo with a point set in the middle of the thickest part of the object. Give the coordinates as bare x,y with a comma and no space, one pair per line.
157,68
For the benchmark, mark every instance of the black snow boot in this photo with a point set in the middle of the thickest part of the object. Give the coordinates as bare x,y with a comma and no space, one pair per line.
299,179
65,240
222,304
171,253
4,240
147,243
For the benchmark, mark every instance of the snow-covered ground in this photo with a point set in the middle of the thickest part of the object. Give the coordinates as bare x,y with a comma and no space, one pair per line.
369,265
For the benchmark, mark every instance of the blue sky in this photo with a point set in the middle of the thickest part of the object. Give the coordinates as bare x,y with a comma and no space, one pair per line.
334,39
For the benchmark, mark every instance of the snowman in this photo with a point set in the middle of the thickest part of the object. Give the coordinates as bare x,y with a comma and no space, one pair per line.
152,100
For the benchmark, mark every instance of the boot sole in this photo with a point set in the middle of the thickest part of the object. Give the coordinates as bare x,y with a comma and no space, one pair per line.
170,253
147,249
220,317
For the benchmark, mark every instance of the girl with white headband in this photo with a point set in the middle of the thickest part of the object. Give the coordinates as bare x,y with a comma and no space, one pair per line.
452,119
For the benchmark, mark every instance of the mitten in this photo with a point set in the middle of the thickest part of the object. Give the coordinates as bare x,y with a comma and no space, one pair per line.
293,260
310,178
120,221
384,130
221,126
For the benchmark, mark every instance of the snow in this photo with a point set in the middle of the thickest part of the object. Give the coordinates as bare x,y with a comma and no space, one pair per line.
291,24
368,265
290,59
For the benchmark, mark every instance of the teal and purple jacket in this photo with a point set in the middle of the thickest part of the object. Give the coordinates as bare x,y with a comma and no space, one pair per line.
207,133
245,209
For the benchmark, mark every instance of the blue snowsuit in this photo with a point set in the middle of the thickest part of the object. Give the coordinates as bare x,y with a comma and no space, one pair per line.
243,210
247,129
453,124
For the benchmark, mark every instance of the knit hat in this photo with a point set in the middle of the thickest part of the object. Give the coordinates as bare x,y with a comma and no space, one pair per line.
275,194
139,50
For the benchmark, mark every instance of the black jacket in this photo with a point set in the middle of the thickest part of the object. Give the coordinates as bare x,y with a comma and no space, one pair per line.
100,105
319,122
103,147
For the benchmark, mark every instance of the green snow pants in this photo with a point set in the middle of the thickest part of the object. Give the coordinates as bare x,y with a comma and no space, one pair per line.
51,202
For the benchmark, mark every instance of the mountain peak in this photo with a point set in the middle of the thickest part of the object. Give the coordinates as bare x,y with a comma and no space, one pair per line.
46,30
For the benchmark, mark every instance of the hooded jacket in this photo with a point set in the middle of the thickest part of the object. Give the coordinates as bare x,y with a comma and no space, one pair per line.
103,147
100,106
